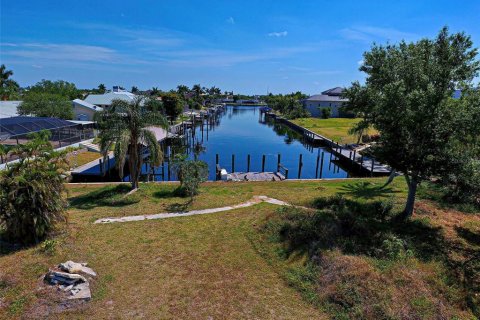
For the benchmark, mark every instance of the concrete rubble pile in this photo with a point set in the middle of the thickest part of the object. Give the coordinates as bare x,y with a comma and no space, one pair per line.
72,278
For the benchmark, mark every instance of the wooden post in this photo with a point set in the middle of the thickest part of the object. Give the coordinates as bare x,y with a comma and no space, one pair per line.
263,163
300,165
350,156
163,170
216,159
316,167
286,173
233,163
321,165
354,155
373,164
278,162
248,163
168,171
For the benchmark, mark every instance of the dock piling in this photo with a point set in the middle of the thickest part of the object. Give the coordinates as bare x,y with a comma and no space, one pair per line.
300,165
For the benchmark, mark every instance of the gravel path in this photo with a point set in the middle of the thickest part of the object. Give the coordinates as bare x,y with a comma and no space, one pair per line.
255,200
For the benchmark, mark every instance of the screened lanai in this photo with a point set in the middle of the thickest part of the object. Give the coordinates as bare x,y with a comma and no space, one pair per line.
15,130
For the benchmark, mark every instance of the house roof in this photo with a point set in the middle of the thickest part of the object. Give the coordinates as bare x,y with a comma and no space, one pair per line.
337,91
106,98
87,105
327,98
9,108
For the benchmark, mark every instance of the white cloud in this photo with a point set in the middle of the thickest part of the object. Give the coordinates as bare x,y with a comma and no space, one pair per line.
369,34
360,62
58,52
278,34
231,20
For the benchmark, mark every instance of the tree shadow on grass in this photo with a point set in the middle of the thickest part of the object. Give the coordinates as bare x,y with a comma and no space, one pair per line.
472,237
106,197
179,207
366,190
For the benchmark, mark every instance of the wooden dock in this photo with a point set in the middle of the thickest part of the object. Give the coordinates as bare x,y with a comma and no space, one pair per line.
342,153
255,176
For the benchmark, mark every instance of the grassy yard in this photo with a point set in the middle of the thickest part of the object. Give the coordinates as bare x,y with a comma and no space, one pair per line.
82,158
210,266
333,128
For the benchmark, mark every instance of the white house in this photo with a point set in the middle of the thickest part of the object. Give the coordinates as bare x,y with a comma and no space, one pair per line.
105,100
8,109
328,99
83,110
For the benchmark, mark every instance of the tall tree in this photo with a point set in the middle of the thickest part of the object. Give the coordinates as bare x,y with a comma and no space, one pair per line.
198,91
125,125
8,87
182,90
134,89
101,88
407,97
42,104
173,105
59,87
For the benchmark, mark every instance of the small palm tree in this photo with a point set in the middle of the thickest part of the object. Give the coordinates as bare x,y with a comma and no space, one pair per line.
4,75
126,126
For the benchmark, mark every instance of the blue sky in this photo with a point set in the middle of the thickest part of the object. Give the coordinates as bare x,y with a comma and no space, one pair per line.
245,46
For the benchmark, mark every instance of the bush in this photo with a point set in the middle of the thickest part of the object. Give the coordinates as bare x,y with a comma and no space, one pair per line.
32,191
326,112
190,173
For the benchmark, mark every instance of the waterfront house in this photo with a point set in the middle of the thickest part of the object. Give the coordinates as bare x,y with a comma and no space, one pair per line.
327,99
83,110
105,100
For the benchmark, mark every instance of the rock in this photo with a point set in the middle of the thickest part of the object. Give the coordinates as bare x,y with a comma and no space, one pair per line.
68,277
81,291
74,267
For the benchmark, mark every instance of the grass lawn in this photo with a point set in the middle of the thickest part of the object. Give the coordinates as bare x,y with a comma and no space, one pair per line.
333,128
82,158
197,267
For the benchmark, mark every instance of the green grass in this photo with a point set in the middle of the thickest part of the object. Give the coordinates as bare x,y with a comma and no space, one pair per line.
216,265
335,129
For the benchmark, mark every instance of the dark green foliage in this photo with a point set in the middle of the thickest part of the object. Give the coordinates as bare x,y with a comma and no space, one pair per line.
289,105
191,174
408,99
8,88
32,191
41,104
63,88
173,105
326,113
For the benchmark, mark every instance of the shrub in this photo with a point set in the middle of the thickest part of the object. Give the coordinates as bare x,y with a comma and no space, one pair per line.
326,113
32,191
190,173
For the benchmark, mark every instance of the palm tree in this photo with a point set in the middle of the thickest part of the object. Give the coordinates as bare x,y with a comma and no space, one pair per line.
5,75
8,87
101,88
154,91
126,126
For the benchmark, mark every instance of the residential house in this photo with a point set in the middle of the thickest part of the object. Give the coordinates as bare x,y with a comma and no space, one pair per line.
328,99
84,111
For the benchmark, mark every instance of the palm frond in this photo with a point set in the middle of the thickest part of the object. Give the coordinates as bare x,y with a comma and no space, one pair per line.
121,151
149,139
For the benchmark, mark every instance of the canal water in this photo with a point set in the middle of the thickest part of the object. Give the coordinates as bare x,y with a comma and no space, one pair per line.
242,131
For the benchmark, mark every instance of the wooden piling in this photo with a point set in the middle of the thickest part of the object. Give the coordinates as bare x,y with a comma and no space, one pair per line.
263,163
321,164
316,167
233,163
300,165
278,162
